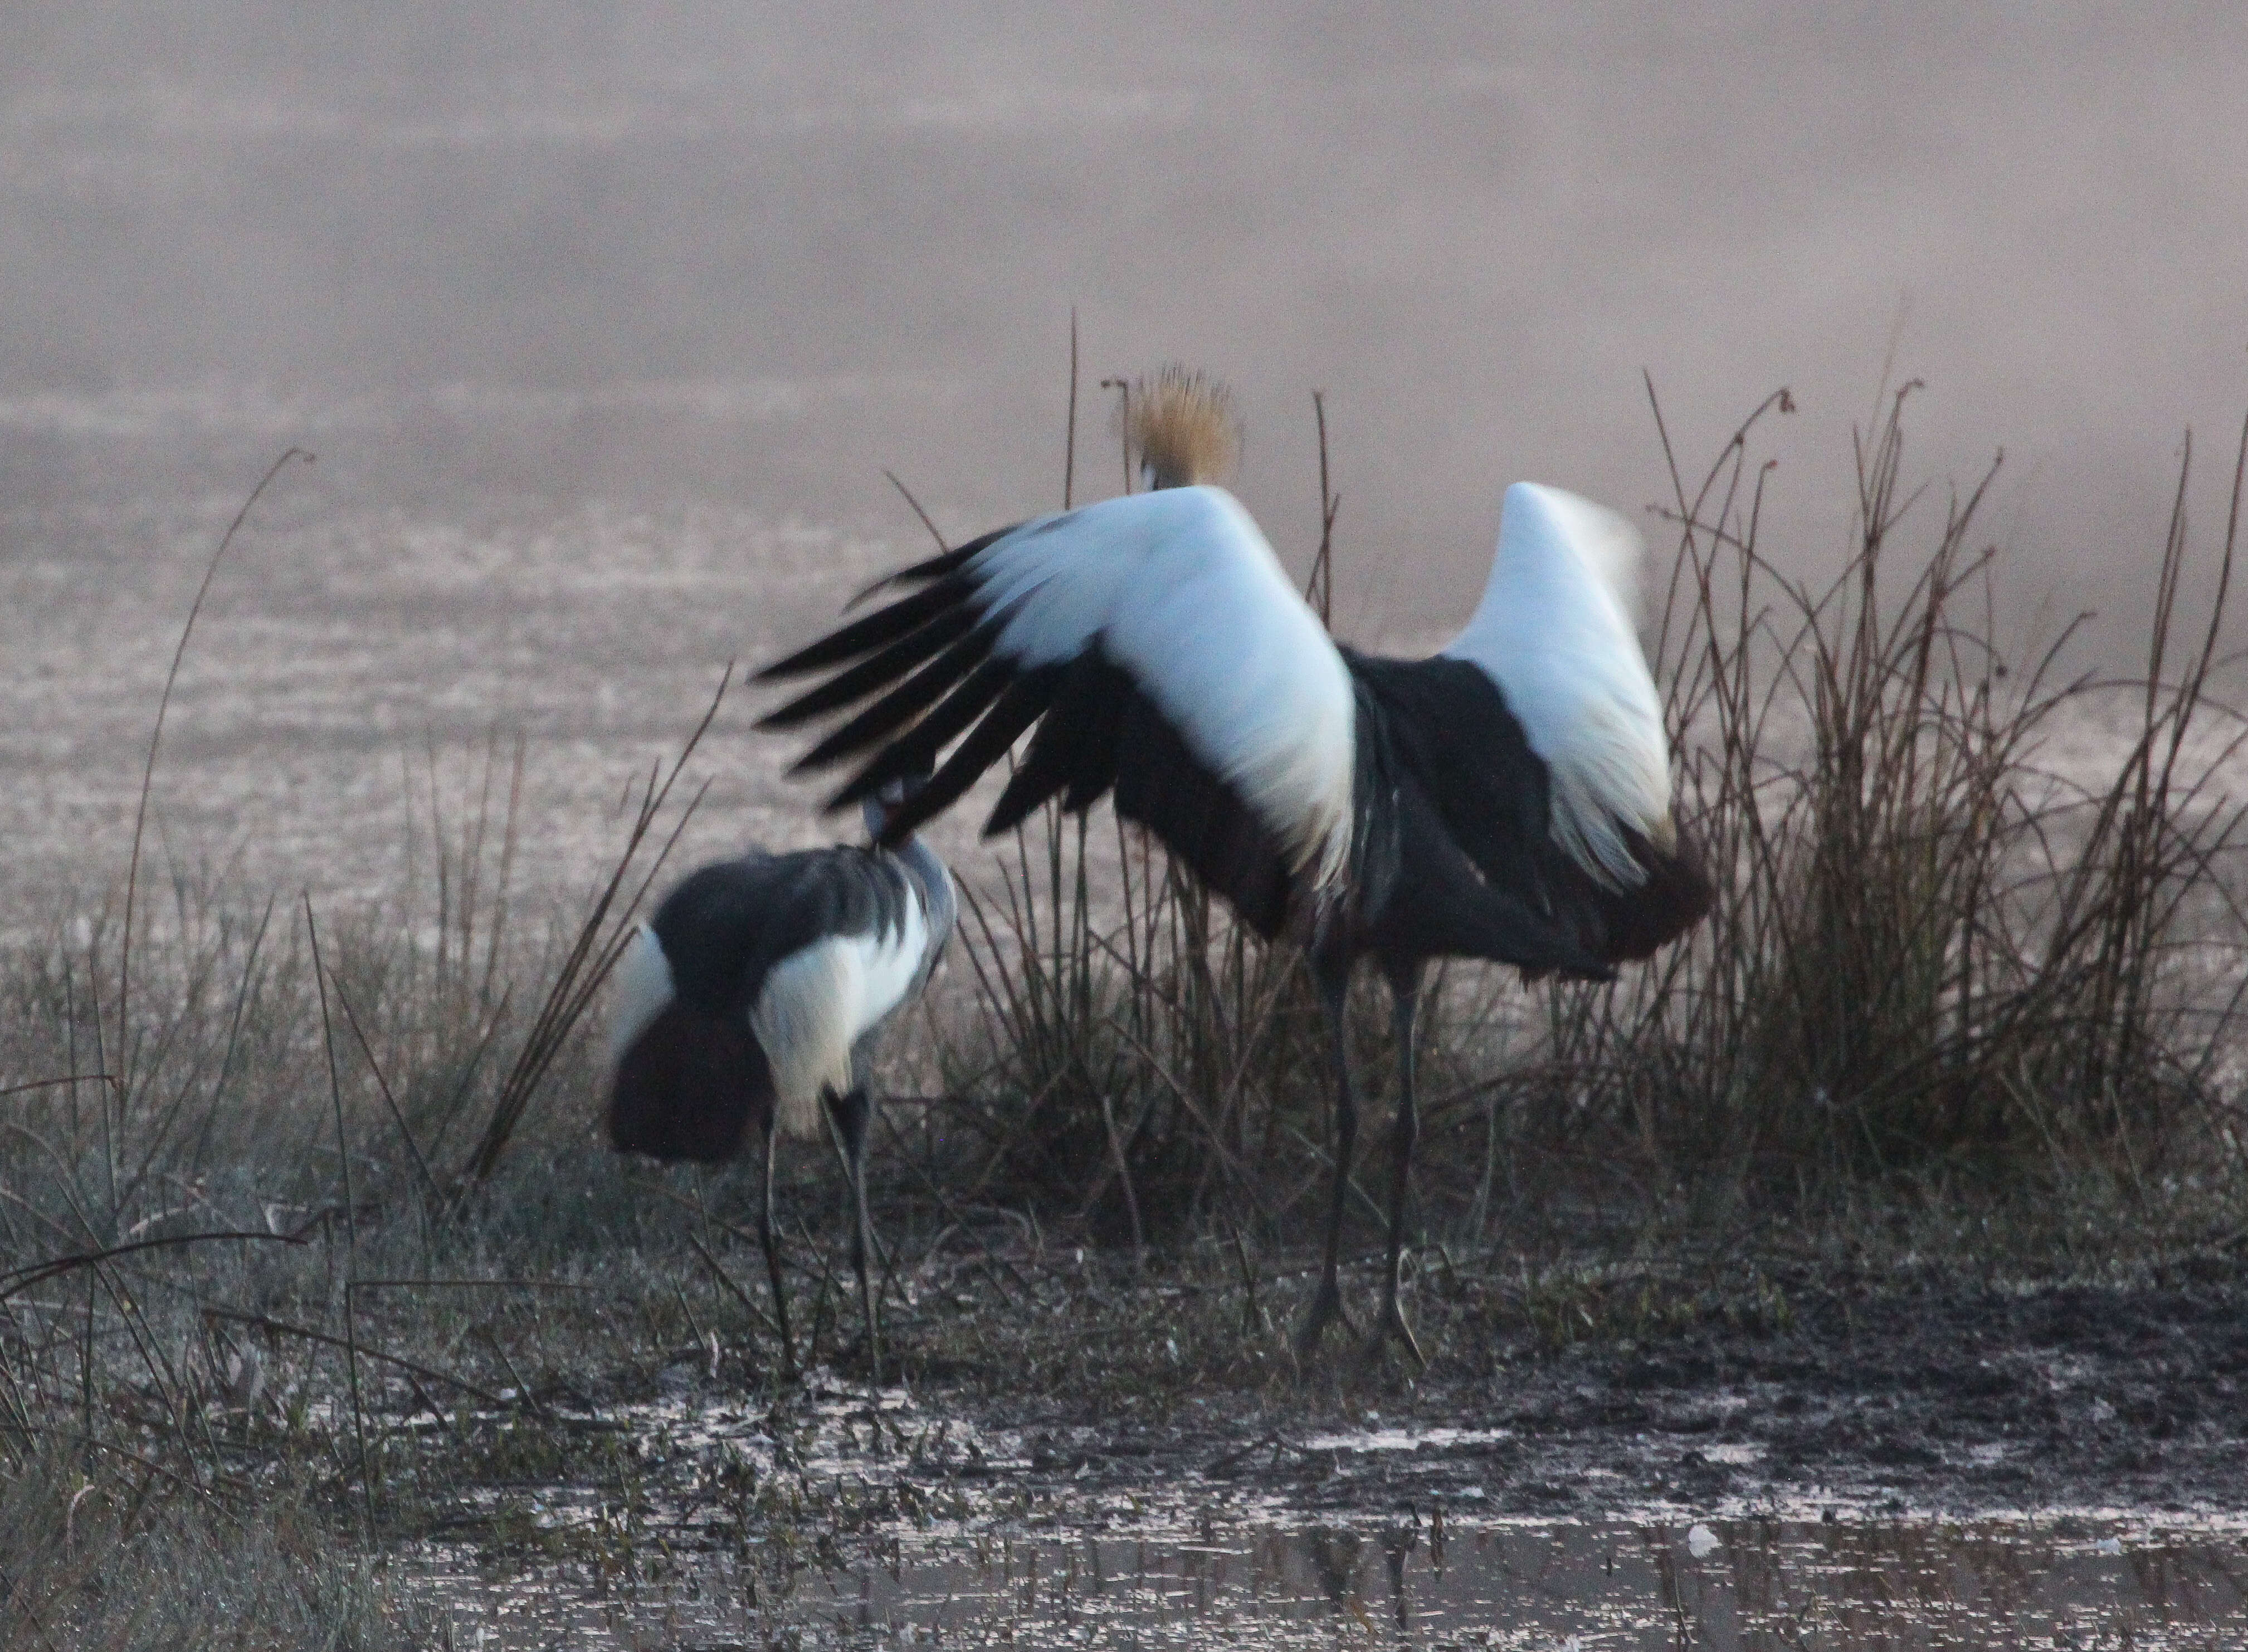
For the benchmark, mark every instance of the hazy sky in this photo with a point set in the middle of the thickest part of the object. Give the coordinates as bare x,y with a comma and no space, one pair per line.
755,254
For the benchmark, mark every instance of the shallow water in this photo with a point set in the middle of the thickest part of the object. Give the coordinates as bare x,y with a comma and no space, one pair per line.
1004,1547
1413,1578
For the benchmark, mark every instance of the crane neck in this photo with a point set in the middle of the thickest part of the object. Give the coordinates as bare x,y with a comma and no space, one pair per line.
923,866
920,864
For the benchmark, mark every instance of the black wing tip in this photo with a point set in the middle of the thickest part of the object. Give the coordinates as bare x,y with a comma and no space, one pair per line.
887,763
1008,815
788,716
927,575
802,663
919,573
813,703
866,634
884,767
857,789
829,752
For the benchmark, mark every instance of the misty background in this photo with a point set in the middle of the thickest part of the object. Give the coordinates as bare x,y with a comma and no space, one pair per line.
605,321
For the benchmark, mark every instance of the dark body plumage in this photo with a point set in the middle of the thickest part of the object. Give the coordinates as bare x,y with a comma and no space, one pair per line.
1469,801
748,1002
1454,843
696,1080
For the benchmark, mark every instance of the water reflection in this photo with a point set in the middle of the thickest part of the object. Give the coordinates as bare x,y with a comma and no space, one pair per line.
1411,1580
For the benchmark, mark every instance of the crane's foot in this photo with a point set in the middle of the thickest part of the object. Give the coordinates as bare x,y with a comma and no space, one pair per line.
1326,1309
1393,1328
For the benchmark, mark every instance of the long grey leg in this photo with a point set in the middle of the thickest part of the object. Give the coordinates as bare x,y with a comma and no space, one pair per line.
852,1114
772,1253
1404,995
1332,980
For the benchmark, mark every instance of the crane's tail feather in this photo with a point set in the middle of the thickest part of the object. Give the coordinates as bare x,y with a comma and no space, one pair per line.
690,1087
1674,896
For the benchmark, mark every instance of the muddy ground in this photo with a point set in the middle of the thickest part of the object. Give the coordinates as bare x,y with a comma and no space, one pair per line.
591,1434
1090,1396
1925,1396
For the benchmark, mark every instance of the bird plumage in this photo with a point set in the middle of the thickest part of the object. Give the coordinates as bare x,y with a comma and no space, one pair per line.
1555,630
808,953
1179,591
1507,799
750,1002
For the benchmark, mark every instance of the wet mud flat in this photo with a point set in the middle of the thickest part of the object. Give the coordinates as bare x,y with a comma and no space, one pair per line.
1911,1462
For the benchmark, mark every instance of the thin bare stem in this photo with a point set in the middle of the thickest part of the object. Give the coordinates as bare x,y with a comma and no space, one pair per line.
148,769
1069,441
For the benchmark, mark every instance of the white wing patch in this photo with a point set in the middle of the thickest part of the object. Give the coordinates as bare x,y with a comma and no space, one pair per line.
1183,591
1555,632
644,990
817,1003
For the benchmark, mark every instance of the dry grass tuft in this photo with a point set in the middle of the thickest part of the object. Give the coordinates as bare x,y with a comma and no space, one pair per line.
1937,950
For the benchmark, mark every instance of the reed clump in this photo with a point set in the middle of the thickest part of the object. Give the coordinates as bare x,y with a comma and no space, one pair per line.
1938,949
306,1137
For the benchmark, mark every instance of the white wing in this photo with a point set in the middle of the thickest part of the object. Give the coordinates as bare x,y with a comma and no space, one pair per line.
1176,588
1182,589
1555,632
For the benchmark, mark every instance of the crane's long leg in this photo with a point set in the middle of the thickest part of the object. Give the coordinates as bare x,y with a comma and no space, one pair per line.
772,1253
1332,980
1404,998
853,1113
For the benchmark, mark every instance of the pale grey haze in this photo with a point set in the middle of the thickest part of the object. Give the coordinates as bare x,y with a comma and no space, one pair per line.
604,321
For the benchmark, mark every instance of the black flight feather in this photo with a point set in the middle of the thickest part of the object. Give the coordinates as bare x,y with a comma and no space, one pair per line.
935,567
903,703
876,671
901,618
915,751
1017,708
1075,746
